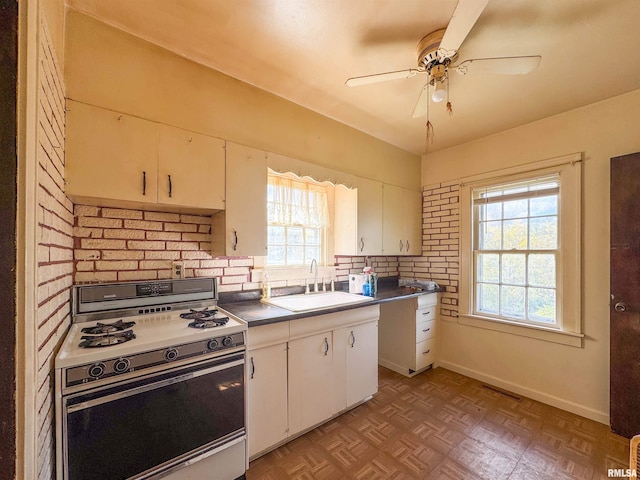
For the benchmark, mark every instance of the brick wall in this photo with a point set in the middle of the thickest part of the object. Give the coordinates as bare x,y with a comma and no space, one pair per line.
383,266
115,245
440,259
55,244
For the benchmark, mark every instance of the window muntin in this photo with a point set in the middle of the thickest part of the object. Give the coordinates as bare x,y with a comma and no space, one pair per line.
516,251
297,220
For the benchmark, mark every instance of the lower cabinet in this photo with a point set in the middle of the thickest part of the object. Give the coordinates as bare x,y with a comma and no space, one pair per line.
267,394
356,375
409,334
303,372
310,381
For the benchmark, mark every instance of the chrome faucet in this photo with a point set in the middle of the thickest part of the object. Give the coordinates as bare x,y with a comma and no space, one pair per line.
315,282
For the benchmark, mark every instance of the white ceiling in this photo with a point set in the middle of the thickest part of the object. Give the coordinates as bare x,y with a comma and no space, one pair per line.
304,50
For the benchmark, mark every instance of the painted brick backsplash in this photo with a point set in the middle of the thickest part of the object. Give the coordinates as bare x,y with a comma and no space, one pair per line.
55,244
383,266
440,259
115,245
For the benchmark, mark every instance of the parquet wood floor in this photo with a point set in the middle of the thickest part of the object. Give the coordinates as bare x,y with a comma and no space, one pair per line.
442,425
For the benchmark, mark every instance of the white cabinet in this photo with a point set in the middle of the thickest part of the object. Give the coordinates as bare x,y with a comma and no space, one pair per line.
369,234
412,215
117,159
191,170
358,219
266,377
402,221
109,156
303,372
408,334
267,397
310,381
241,229
355,363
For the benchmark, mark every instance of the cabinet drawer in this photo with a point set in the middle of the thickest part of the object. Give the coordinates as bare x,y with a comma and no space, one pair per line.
426,313
425,353
425,330
265,335
427,300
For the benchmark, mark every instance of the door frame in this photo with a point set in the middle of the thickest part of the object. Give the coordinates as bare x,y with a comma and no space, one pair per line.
8,234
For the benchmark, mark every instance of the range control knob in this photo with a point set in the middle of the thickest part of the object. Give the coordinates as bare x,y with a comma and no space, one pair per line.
121,365
227,341
96,370
170,354
212,344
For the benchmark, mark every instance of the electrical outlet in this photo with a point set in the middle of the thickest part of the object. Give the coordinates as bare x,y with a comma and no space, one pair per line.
177,269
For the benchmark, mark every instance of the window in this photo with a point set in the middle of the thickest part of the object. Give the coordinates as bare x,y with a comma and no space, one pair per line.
520,250
297,218
516,250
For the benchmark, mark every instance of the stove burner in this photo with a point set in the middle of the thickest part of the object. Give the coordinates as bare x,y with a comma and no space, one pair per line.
102,328
204,314
106,340
209,323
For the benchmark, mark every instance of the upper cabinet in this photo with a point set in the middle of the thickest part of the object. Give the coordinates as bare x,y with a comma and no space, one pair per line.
191,169
378,219
369,241
412,201
358,219
241,229
402,220
112,157
109,155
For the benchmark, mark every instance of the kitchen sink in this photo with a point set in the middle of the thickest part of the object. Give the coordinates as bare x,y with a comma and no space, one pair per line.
315,301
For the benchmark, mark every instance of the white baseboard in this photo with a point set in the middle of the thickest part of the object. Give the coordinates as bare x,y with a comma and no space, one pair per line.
590,413
393,366
407,372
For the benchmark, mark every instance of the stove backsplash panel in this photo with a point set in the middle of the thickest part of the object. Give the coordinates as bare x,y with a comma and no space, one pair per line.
116,244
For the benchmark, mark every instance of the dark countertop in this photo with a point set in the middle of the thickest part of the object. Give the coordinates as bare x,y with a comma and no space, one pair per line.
249,308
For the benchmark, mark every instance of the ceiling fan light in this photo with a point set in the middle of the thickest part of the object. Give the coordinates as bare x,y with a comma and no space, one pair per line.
439,94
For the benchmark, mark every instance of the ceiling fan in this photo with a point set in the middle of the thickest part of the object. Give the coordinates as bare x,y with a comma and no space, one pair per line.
438,54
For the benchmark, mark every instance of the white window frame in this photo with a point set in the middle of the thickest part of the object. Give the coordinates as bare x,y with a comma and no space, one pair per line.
568,330
322,231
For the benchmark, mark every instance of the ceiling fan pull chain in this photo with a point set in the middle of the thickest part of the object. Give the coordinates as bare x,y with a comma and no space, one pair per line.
449,108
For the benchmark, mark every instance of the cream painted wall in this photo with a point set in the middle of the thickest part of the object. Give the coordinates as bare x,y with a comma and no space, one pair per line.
54,12
109,68
576,379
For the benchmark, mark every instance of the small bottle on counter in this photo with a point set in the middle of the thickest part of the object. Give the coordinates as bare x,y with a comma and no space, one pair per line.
266,289
369,287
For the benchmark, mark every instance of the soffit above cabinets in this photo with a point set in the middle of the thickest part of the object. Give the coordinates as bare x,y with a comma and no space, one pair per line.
305,50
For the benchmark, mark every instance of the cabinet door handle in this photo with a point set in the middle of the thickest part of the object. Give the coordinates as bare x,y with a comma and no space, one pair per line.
352,337
170,186
426,313
425,353
401,245
144,183
253,367
425,331
407,245
326,346
361,244
235,239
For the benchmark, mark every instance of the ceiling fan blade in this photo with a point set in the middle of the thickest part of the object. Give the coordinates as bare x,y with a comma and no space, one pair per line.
381,77
420,110
500,65
464,18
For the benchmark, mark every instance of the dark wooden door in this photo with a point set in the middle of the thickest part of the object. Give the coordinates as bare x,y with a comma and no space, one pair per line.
625,295
8,238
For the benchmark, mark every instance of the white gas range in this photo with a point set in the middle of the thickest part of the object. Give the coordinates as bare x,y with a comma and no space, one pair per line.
151,374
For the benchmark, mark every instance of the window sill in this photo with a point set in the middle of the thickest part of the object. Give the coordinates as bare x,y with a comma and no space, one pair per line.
571,339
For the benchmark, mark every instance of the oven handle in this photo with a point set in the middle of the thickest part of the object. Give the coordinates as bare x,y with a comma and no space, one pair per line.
152,386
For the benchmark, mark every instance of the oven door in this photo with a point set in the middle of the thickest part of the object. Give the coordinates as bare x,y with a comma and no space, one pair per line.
150,426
